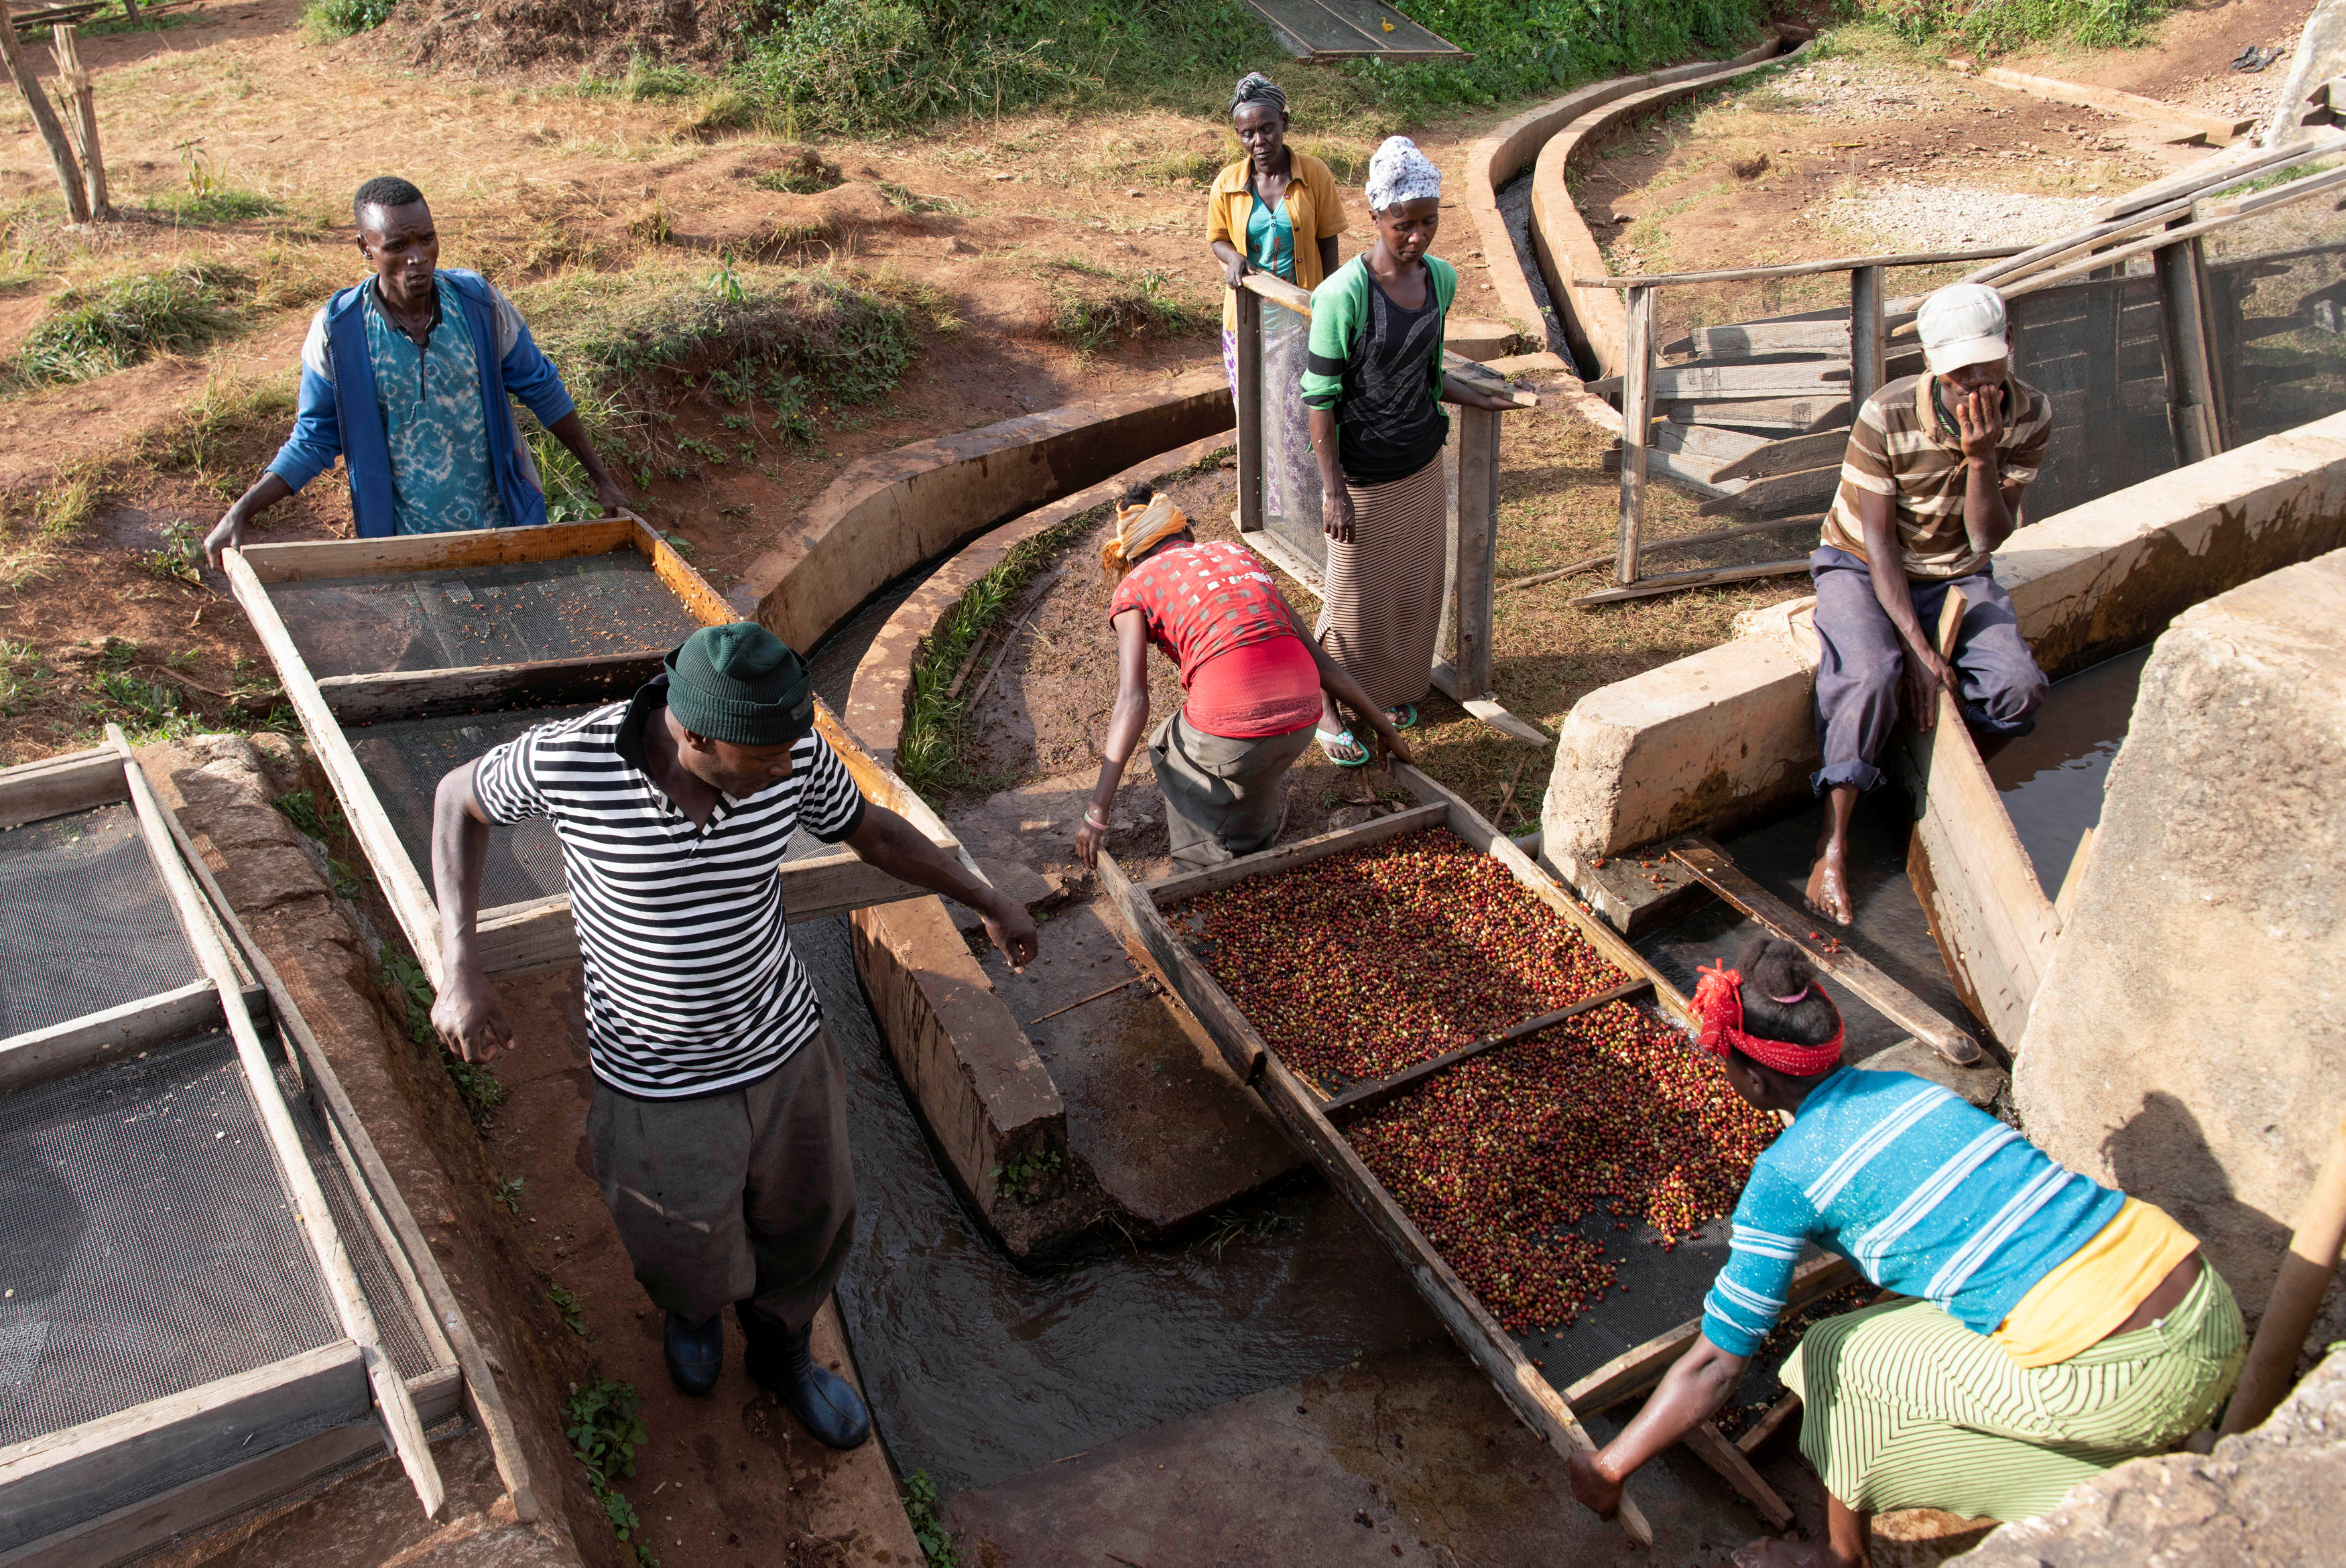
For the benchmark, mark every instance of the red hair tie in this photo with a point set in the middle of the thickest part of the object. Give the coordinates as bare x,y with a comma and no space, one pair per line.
1718,1007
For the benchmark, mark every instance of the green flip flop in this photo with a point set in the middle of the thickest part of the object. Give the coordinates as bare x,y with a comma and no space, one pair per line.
1404,716
1333,743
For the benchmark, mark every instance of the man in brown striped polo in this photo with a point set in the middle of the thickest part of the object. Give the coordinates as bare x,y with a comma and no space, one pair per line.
1930,487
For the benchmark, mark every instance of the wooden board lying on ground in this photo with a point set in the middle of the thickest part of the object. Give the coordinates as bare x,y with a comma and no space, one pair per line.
1777,491
1994,925
538,934
1304,1110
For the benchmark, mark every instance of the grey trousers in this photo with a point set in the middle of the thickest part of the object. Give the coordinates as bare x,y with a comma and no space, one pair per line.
746,1195
1998,684
1221,794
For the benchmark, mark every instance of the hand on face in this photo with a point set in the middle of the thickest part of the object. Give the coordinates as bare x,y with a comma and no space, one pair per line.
1977,403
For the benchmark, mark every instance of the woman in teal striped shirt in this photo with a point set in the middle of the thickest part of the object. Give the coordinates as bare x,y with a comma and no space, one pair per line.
2055,1329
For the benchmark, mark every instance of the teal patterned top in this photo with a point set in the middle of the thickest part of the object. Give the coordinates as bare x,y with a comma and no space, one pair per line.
434,420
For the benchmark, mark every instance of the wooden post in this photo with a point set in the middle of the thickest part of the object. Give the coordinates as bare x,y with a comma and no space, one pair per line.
1249,411
2182,326
1868,331
1475,563
75,81
2223,370
61,157
131,12
1636,427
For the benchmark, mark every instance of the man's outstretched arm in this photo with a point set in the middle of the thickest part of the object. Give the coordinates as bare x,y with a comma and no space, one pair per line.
886,840
470,1019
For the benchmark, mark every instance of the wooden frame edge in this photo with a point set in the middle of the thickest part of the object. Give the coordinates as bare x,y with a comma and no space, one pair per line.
94,1039
57,786
316,560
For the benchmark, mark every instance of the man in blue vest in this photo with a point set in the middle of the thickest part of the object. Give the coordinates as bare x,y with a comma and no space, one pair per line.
407,378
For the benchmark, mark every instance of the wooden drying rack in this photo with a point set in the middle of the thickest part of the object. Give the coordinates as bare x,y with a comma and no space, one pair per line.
1314,1117
351,1387
538,934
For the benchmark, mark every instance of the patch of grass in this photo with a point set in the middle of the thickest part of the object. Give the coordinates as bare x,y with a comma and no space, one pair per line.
317,819
25,677
929,752
646,82
220,206
91,329
1094,306
328,20
943,314
62,509
1993,26
906,198
150,706
803,172
601,1420
210,437
476,1086
574,1312
936,1541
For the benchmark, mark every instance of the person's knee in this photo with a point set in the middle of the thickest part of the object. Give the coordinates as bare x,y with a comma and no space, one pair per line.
2010,706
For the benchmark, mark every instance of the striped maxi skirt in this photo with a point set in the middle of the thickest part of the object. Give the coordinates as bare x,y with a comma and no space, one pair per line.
1384,609
1903,1407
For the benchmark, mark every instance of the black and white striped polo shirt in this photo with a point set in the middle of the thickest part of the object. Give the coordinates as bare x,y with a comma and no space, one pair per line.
692,987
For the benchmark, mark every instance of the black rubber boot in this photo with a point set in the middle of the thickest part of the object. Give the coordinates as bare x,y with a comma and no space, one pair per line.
695,1354
826,1404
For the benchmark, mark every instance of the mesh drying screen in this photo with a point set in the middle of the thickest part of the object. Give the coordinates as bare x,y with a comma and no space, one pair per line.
508,613
89,926
387,1296
150,1248
405,760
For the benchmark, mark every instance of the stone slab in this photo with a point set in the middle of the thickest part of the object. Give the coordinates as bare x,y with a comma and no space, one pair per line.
2188,1043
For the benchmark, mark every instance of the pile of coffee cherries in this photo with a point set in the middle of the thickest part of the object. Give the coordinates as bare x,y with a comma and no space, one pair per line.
1356,965
1497,1159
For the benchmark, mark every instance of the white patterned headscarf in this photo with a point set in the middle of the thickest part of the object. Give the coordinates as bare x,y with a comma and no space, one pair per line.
1399,172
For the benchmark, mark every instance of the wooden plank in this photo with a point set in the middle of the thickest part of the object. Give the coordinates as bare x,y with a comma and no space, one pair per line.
97,1038
440,1315
1247,400
63,1475
128,1531
1690,471
1742,383
2074,878
1474,558
1803,487
1802,269
1706,1443
2216,127
1491,1347
679,575
1996,929
372,698
1704,440
1773,337
1241,1046
403,887
1700,854
1788,457
1637,426
309,560
1640,1367
1767,1426
317,1222
1487,710
1362,1098
1165,892
1674,581
1791,415
56,785
1868,334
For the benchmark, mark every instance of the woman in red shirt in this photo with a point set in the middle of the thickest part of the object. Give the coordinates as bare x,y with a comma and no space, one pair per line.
1252,674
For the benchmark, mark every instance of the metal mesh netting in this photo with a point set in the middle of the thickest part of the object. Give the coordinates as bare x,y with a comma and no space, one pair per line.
2093,348
2277,306
405,760
89,923
508,613
386,1295
150,1245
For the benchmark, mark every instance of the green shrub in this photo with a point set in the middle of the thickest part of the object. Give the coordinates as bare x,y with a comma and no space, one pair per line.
605,1430
94,328
331,19
1997,25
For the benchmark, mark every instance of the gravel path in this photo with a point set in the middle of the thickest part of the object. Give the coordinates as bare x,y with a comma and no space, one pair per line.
1956,217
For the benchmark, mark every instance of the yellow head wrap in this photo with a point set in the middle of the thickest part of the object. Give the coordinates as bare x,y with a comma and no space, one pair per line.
1138,530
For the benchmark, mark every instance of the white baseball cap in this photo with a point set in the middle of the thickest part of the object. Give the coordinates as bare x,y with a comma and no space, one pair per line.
1961,325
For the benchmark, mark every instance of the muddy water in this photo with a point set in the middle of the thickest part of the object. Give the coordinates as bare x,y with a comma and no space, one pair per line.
2052,784
977,1371
1515,208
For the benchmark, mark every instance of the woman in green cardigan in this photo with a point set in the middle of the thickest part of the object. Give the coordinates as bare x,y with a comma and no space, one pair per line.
1374,384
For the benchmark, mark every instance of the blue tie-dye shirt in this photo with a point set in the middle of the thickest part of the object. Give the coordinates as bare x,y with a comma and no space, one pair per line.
432,419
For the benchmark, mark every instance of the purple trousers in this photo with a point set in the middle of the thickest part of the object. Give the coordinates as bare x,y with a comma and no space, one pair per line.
1997,682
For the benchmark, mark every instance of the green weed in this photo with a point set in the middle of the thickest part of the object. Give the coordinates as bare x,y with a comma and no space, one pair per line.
938,1542
23,677
345,881
574,1312
1997,25
605,1430
1025,1178
645,82
506,1195
152,707
1230,1225
1094,306
91,329
328,20
318,821
179,558
476,1086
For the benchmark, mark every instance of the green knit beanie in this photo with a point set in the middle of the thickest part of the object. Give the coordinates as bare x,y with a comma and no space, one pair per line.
741,684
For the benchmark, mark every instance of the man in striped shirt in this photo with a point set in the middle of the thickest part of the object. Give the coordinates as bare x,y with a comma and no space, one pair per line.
1930,486
719,1125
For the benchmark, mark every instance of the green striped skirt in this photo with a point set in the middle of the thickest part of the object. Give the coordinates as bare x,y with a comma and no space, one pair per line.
1903,1407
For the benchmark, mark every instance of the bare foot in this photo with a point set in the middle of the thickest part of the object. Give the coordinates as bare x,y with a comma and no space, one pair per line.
1786,1554
1828,892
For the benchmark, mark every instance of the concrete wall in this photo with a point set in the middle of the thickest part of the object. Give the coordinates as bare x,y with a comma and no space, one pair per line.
1727,736
888,514
2188,1043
